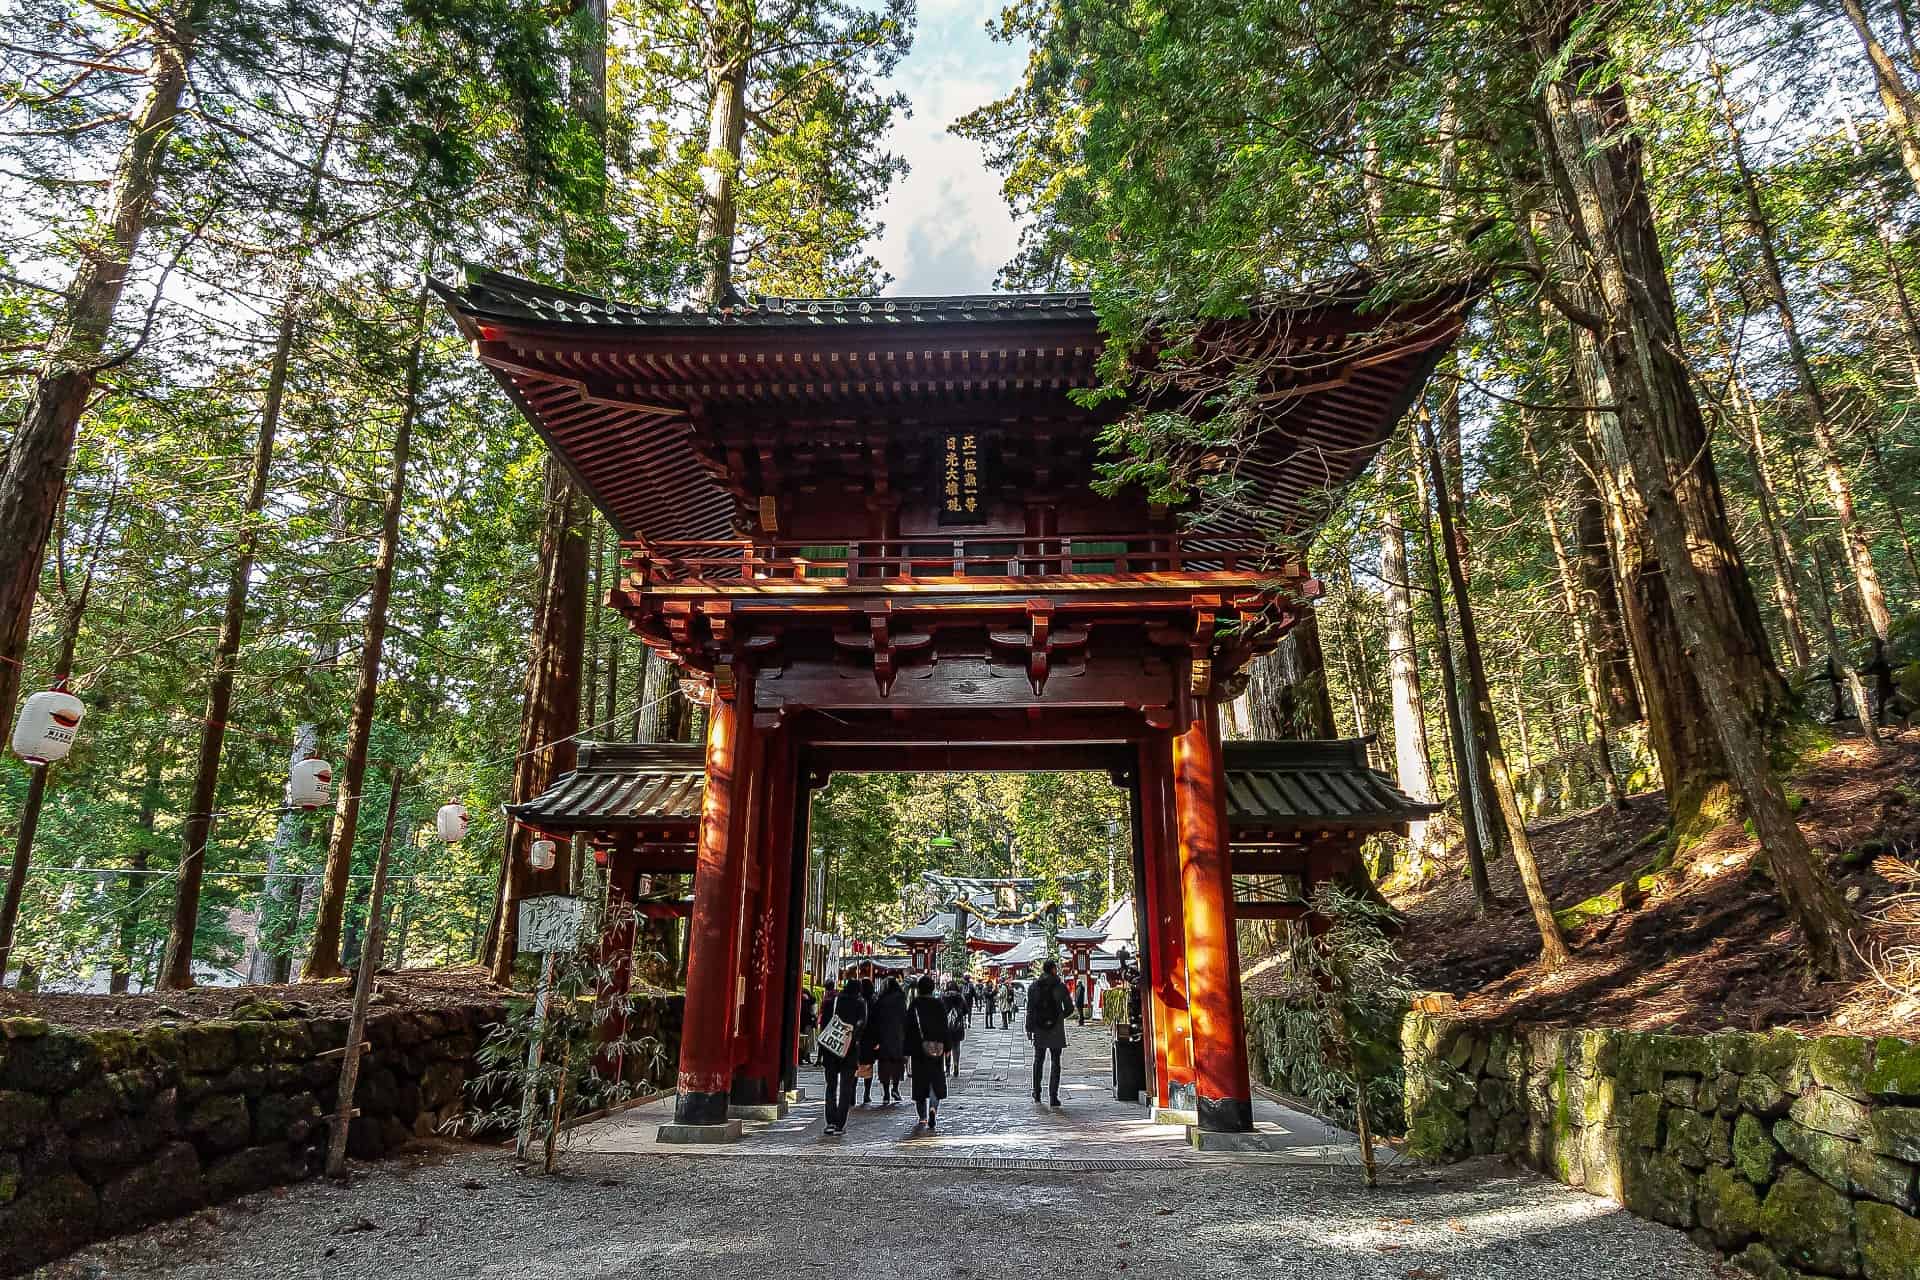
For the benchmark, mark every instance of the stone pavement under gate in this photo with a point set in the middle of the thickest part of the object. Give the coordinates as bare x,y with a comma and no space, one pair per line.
989,1116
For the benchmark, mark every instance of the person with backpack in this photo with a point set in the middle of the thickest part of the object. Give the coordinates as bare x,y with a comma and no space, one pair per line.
926,1039
850,1008
955,1002
1006,1004
1048,1004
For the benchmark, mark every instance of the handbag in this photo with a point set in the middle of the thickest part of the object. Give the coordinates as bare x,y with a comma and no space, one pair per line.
931,1048
837,1039
865,1072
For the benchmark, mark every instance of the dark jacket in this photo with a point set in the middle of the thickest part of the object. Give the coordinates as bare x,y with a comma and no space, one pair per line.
852,1010
887,1026
1048,1006
926,1020
956,1006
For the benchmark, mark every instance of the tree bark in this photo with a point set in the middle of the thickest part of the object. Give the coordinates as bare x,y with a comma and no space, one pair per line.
1596,153
1580,624
1903,113
1290,696
323,958
1463,780
550,718
1866,579
1553,948
1412,768
729,58
41,448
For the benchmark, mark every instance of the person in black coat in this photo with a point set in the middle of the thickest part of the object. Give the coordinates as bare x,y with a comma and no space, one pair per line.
850,1008
956,1002
808,1015
927,1029
887,1029
1048,1005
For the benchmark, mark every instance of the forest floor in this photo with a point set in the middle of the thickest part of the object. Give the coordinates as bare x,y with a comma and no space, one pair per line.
411,988
1709,945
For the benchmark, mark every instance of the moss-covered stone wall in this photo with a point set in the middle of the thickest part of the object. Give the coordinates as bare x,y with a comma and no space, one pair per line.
1793,1156
103,1132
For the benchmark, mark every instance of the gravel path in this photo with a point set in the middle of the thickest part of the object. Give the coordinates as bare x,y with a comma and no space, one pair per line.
448,1211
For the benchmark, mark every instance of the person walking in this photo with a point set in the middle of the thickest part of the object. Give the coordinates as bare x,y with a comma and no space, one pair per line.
1006,1004
887,1025
1080,998
991,992
926,1037
869,1043
847,1006
808,1016
956,1004
1048,1004
966,995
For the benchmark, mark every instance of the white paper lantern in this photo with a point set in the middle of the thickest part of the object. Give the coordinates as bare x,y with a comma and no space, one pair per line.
47,726
451,822
540,855
310,784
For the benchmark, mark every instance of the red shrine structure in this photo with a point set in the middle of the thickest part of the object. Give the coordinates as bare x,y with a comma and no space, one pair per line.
865,531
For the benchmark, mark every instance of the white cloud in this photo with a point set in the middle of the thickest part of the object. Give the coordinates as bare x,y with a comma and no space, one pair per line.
947,229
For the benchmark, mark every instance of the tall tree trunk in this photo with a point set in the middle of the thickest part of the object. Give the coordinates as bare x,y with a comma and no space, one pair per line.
729,60
176,971
1600,597
29,818
1596,153
1866,579
1579,623
323,959
550,718
38,454
1553,948
1412,768
1786,576
1296,702
1903,113
132,893
1471,828
264,962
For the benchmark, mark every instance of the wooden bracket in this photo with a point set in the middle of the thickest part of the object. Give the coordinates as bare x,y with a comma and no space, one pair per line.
1200,663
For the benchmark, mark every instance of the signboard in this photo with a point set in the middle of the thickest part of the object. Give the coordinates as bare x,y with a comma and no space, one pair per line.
551,923
961,486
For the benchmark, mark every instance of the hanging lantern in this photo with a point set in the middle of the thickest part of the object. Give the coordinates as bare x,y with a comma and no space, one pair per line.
310,785
451,822
540,855
47,726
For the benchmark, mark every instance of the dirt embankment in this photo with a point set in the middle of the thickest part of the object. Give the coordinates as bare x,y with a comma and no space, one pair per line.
1702,944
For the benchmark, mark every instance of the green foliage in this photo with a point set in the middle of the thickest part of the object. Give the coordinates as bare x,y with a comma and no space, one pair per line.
578,1027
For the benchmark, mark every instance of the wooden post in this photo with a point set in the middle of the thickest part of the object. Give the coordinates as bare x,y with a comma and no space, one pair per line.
22,856
1167,977
768,989
706,1072
529,1096
363,990
1223,1092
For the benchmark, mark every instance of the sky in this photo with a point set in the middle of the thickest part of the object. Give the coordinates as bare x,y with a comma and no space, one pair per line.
946,228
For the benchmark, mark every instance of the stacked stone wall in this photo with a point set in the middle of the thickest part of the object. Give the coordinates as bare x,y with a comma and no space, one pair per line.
103,1132
1793,1156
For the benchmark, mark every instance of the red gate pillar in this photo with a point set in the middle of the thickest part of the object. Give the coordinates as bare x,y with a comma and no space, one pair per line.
706,1036
759,1080
1224,1095
749,931
1166,949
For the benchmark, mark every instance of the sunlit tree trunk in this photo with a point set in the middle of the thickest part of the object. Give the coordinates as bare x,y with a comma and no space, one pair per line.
1595,152
323,959
1903,113
62,383
176,971
1412,768
729,59
1486,731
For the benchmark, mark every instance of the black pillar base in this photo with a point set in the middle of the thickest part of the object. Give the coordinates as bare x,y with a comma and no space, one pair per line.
750,1091
1225,1115
699,1108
